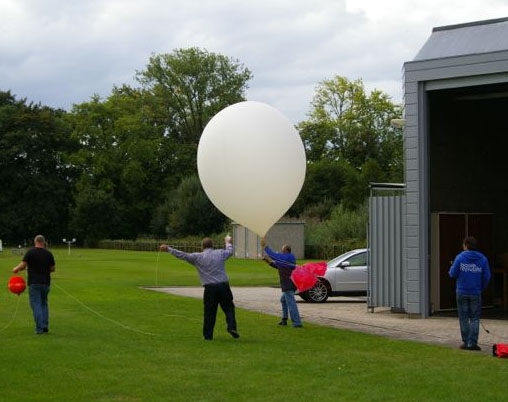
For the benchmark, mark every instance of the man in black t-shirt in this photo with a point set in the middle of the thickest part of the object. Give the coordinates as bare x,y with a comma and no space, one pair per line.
40,263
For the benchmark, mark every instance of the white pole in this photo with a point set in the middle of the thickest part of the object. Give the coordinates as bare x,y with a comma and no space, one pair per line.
69,242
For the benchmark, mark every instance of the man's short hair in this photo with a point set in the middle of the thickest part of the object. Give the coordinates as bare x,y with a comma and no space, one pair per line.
40,239
286,247
207,243
470,243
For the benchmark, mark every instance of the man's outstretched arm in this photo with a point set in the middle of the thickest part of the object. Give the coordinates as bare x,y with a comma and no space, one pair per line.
190,258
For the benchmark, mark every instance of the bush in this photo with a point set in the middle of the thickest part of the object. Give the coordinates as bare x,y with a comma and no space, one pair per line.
345,230
189,244
320,211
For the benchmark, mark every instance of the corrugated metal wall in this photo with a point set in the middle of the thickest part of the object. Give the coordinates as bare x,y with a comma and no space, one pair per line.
387,274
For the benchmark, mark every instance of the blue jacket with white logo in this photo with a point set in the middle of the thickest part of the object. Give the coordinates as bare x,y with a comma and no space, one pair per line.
472,271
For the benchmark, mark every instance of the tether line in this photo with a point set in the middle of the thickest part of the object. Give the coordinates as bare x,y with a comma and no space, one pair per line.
157,269
103,316
13,317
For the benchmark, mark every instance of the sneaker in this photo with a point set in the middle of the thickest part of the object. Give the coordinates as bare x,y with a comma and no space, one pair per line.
297,326
474,347
45,330
234,333
463,346
284,321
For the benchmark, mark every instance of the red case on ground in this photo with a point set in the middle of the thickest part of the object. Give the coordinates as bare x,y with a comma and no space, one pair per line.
500,350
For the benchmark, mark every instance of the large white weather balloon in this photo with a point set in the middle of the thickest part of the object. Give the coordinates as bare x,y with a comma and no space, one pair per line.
251,163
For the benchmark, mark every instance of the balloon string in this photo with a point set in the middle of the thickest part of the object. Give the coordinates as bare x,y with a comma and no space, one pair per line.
103,316
183,316
157,278
157,269
13,317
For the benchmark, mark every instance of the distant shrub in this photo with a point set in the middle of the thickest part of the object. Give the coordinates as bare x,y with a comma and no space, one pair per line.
345,230
320,210
188,244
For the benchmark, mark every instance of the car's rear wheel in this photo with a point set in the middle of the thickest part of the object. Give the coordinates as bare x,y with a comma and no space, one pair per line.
319,293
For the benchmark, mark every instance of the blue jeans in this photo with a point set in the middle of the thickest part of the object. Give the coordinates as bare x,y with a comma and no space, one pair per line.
469,309
289,306
39,304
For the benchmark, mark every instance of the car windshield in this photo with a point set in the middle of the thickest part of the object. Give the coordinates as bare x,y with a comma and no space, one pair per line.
340,258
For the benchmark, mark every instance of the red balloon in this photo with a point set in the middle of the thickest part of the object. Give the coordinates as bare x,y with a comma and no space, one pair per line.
305,276
17,285
317,268
303,279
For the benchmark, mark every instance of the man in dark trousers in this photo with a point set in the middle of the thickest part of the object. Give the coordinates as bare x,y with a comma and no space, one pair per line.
472,272
40,263
285,263
213,277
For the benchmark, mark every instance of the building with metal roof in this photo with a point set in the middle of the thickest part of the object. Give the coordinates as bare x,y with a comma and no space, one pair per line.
456,153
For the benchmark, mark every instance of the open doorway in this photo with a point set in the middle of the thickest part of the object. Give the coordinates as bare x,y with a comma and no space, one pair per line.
468,162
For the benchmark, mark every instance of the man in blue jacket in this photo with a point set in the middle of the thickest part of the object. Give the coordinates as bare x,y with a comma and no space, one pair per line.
285,263
472,272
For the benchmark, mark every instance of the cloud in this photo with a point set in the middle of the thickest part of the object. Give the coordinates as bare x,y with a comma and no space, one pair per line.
62,52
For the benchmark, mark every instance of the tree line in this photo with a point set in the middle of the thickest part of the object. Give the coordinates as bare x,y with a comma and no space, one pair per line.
125,166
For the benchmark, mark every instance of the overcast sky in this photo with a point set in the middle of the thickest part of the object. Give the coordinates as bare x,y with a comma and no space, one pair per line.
61,52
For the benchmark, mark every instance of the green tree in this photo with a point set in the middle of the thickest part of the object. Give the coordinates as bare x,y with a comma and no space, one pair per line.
139,143
95,213
36,178
183,90
356,189
330,182
316,137
190,212
188,87
324,180
347,123
123,165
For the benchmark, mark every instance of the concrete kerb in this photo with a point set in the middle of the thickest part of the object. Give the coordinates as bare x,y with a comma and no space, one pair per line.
352,314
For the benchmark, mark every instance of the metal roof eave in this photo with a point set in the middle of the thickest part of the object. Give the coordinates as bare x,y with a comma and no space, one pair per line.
461,56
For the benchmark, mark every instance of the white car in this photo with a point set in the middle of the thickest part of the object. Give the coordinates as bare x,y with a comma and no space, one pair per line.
346,275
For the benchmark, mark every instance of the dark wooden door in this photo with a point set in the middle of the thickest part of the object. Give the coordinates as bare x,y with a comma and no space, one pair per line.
452,230
480,226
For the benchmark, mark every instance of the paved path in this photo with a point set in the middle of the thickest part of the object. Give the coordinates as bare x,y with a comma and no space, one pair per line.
351,313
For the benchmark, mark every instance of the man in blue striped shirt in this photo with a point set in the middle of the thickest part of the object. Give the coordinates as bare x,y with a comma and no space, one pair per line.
211,268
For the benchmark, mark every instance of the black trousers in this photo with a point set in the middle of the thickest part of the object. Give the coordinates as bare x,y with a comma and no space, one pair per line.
215,294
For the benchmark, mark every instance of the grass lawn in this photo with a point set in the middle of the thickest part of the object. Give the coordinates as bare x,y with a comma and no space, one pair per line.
147,346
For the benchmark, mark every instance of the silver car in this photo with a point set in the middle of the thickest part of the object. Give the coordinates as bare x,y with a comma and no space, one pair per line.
346,275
